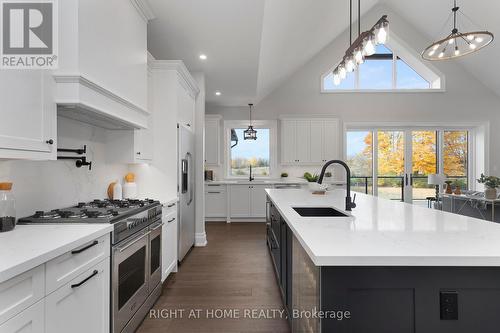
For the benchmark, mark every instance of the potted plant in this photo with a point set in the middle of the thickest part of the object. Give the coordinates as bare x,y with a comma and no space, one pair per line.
284,175
313,182
491,183
448,187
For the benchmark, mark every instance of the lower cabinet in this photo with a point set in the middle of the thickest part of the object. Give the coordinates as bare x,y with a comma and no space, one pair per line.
31,320
76,299
82,304
169,240
215,201
279,241
248,201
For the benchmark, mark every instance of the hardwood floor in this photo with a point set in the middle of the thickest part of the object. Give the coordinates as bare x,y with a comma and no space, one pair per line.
233,273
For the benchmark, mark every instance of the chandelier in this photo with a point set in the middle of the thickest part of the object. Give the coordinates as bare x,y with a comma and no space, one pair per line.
250,133
364,45
458,43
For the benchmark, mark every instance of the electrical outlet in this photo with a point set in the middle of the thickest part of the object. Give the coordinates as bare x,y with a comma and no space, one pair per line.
448,305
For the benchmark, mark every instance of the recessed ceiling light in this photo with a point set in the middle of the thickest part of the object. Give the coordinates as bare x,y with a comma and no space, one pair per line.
218,93
203,57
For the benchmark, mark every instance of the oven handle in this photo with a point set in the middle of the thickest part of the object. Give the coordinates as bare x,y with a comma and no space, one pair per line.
156,227
132,242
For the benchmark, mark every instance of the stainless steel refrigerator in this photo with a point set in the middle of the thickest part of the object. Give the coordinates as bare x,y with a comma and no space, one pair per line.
186,191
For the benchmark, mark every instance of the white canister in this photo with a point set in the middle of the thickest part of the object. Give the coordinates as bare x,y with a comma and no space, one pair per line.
129,190
117,191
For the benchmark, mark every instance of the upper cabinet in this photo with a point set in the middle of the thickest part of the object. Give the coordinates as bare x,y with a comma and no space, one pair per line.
178,90
212,140
102,74
28,128
309,141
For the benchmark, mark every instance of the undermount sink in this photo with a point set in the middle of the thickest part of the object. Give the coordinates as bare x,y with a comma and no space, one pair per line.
319,212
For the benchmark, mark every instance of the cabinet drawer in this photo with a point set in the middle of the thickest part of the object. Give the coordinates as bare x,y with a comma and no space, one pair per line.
66,267
31,320
169,208
20,292
81,305
169,218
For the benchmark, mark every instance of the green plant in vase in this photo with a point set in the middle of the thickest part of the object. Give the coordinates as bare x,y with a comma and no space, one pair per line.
490,183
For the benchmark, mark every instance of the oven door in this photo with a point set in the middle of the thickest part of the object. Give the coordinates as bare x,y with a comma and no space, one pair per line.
130,278
155,247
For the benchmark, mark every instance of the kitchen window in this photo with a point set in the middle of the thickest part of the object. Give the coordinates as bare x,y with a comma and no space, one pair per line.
259,154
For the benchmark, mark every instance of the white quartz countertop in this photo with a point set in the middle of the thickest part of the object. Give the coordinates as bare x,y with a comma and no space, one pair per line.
28,246
387,233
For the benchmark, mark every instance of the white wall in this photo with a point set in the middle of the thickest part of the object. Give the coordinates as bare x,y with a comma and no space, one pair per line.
49,185
465,98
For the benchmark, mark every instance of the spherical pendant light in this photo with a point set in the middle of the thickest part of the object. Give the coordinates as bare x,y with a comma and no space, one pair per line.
457,44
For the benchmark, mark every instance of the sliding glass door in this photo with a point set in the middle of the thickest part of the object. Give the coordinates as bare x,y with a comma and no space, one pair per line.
395,163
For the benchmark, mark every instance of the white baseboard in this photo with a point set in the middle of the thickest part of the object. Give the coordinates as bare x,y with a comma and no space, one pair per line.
170,269
200,239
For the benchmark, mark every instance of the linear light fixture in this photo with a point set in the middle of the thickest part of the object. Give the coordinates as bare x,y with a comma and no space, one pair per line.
364,45
458,44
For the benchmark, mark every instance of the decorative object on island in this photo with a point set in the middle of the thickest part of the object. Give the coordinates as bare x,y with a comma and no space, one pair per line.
284,175
364,45
491,183
130,187
449,190
250,133
458,44
311,178
436,179
7,208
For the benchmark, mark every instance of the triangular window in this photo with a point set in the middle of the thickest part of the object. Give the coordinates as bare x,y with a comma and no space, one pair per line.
386,71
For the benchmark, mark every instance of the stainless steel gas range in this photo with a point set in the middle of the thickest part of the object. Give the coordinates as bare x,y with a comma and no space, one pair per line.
135,252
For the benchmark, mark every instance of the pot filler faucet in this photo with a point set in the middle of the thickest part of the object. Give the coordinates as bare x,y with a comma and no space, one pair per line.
349,203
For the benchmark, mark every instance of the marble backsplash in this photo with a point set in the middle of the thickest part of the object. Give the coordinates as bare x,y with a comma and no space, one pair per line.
45,185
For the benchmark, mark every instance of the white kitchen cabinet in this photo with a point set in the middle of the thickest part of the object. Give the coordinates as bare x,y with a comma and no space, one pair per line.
212,140
309,142
288,138
31,320
81,305
331,140
169,239
215,201
258,200
28,125
248,201
316,141
240,201
129,146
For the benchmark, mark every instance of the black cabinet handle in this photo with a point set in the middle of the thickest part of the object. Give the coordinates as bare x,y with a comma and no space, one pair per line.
172,220
94,243
171,205
138,153
213,192
49,142
94,273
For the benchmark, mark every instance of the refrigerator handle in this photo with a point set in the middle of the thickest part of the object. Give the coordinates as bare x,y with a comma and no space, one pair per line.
189,181
184,176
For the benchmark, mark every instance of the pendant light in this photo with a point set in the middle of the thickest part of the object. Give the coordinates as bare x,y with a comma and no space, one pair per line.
250,133
364,46
458,43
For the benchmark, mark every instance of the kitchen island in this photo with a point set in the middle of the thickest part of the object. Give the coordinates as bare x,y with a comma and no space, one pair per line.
387,267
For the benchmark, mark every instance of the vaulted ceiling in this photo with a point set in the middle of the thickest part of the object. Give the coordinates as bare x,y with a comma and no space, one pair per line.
253,46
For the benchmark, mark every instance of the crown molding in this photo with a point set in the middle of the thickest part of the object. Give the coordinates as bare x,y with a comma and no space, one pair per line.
179,67
144,8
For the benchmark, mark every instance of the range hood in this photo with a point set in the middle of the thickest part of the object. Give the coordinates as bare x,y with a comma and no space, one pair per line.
81,99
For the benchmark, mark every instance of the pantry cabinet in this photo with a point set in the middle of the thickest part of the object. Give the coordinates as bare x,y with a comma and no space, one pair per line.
309,141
